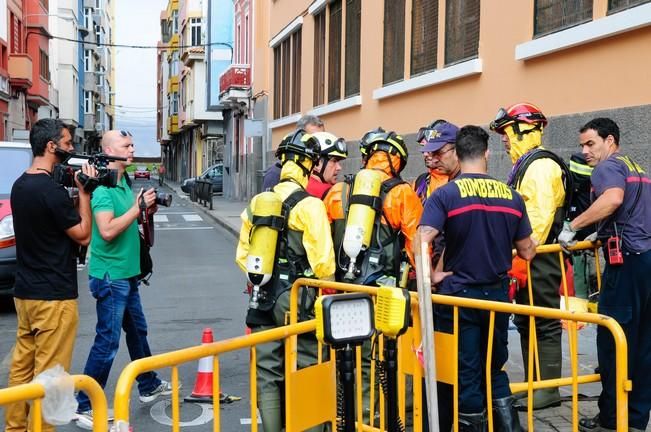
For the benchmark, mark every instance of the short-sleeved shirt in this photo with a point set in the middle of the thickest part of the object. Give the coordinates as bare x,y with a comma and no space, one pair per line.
46,264
633,218
481,218
120,257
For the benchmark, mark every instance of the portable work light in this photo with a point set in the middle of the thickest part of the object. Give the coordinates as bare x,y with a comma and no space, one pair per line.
344,319
392,311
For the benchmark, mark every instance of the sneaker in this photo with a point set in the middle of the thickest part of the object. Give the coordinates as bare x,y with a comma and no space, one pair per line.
85,419
163,389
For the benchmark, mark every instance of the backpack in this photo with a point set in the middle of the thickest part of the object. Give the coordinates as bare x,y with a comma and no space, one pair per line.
581,194
518,175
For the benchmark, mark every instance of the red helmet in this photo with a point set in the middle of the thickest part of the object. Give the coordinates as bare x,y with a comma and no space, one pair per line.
521,112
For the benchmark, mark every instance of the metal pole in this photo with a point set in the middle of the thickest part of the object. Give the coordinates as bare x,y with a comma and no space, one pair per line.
391,400
346,360
423,279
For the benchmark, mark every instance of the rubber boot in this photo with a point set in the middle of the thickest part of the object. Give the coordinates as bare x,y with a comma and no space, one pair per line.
270,407
550,357
473,422
505,416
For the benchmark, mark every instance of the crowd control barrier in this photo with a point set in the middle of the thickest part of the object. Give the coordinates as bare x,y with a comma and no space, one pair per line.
35,392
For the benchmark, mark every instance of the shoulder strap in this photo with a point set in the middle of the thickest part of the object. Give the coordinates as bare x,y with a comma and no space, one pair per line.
346,193
389,184
542,154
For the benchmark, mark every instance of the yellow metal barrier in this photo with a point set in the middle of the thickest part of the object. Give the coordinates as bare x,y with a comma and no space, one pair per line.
35,392
301,397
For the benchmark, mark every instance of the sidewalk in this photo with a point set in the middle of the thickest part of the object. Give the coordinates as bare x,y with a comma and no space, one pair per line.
225,212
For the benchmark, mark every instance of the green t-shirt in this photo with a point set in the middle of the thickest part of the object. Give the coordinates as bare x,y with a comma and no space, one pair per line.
119,258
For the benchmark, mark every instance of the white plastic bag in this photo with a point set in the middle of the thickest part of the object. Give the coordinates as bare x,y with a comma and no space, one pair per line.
59,404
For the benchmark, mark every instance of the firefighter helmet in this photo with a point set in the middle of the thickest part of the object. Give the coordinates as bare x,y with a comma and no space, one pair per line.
299,143
520,112
391,143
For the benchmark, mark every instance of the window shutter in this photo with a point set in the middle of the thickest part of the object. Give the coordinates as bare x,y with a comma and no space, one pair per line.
461,30
554,15
353,32
394,41
424,35
334,52
319,59
620,5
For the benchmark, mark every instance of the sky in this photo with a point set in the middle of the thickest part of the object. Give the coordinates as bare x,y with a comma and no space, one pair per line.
137,22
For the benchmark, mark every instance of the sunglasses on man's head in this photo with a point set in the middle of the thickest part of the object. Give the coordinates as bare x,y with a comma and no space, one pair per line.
125,133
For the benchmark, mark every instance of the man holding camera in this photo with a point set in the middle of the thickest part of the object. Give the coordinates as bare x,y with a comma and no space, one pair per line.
48,230
113,271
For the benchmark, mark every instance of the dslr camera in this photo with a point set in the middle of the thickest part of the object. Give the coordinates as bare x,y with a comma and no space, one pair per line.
64,173
163,198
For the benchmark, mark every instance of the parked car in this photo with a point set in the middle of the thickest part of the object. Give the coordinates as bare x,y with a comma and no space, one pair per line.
15,158
142,172
214,173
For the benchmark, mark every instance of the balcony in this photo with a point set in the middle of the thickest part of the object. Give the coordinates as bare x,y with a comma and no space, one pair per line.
190,55
20,71
235,85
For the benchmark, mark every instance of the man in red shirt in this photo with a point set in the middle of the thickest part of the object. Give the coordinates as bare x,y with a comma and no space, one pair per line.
324,174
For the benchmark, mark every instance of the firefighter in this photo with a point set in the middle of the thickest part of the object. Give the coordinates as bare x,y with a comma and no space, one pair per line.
303,249
433,178
363,143
325,172
392,209
538,176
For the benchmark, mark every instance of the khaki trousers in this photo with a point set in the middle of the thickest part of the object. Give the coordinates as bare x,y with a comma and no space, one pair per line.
45,337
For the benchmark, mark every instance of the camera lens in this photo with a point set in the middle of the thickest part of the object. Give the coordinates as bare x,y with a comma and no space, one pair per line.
163,199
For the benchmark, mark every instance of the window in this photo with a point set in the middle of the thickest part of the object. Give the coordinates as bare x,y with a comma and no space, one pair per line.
461,30
620,5
87,18
98,35
353,31
555,15
287,76
88,61
175,22
247,31
195,31
394,42
44,65
424,35
88,102
175,104
334,52
319,59
16,35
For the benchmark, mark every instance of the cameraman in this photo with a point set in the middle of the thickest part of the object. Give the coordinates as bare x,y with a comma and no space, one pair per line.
113,271
48,231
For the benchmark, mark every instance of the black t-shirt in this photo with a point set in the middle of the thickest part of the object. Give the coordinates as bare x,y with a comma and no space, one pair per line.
45,255
481,218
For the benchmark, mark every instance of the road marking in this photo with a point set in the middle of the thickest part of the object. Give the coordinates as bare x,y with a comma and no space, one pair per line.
247,421
173,212
183,228
159,415
192,217
160,218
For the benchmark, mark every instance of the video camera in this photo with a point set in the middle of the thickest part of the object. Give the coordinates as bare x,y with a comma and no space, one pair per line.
64,172
163,198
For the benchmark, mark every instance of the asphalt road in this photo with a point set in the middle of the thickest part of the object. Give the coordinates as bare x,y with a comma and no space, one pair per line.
195,285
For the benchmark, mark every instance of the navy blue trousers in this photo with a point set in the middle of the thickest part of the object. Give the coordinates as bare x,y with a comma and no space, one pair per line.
626,297
473,344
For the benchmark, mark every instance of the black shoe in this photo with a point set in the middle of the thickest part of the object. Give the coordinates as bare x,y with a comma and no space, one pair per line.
474,422
592,424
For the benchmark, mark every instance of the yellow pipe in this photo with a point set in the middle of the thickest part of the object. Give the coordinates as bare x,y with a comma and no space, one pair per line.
253,377
176,417
489,378
215,398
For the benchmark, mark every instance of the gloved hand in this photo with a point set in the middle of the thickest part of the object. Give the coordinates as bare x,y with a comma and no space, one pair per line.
566,237
592,237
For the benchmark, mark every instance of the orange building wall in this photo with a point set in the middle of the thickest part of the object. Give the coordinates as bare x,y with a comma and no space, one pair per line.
610,73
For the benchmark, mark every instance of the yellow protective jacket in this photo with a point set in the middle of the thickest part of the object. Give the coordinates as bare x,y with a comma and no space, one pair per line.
541,187
402,207
308,216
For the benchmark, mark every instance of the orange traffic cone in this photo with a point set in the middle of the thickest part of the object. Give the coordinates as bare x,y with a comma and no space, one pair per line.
203,386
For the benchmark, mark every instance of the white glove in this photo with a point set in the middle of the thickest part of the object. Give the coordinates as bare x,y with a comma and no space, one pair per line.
566,237
592,237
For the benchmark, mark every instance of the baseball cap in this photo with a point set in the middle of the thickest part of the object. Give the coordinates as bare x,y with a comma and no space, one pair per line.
439,136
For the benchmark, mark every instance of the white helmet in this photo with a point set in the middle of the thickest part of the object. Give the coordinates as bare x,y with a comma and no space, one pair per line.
331,146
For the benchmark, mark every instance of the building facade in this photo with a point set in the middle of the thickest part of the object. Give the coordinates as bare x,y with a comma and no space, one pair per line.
190,125
402,63
99,71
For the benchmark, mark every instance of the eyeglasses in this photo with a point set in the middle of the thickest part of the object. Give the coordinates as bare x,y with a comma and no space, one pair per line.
502,118
125,133
439,153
